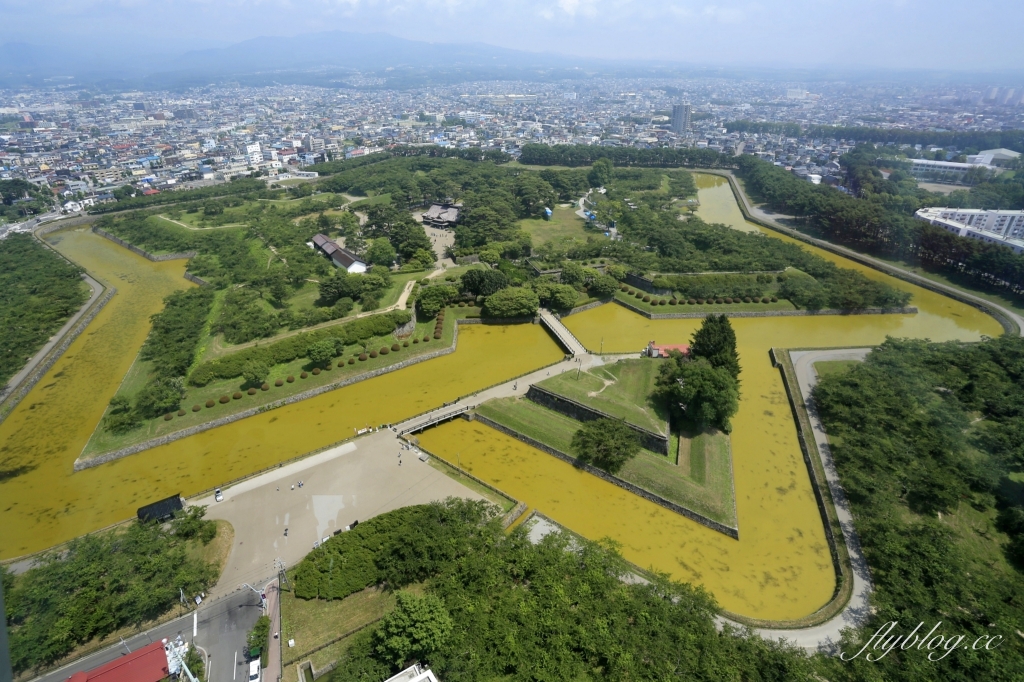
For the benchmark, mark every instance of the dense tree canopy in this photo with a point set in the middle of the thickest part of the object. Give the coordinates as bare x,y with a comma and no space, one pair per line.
924,437
98,584
502,608
606,443
512,302
39,291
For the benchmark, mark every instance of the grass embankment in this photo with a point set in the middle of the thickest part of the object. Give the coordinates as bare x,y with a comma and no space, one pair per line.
827,367
564,224
653,306
710,495
213,344
315,622
623,389
104,441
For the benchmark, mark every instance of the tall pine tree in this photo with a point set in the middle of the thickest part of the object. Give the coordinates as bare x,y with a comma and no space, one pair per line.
716,342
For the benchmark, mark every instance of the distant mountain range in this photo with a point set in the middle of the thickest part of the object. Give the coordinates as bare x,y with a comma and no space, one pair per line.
23,63
331,58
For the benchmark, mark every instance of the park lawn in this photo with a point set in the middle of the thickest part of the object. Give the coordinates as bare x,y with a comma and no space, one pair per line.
315,622
103,441
304,297
622,389
656,473
828,367
638,303
370,201
218,550
564,224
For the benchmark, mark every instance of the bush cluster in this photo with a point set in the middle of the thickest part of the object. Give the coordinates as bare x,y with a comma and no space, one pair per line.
297,346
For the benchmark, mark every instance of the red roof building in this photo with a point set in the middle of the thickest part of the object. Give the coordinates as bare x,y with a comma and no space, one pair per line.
656,351
148,664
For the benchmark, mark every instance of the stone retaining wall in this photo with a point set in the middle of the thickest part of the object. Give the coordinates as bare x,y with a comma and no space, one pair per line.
654,442
43,367
145,254
645,284
81,464
584,308
626,485
195,280
768,313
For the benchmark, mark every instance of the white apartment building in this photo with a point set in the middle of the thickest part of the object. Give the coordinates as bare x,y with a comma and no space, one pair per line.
254,154
996,227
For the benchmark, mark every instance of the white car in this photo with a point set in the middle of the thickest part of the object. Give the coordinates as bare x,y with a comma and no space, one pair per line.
255,674
218,495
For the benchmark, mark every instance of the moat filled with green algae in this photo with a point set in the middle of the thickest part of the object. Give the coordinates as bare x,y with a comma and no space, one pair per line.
779,569
47,503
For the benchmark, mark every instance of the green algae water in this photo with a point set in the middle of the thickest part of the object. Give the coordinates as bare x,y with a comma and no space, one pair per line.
49,504
779,569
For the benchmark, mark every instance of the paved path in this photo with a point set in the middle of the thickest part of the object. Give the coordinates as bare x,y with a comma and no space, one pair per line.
856,612
354,481
12,385
771,219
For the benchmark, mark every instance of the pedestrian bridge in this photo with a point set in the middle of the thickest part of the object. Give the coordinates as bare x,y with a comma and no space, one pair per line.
430,419
561,332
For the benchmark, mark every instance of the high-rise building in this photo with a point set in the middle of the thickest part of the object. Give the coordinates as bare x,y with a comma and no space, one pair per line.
681,118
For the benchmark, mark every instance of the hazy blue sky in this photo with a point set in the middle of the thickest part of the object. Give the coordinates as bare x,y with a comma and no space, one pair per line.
945,34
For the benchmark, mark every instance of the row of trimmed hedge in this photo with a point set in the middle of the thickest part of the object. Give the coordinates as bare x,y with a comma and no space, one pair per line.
654,300
286,350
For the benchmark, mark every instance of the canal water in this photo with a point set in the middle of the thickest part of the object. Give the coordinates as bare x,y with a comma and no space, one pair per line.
46,503
778,569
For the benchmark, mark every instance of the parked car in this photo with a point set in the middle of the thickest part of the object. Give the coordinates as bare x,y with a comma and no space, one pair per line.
218,495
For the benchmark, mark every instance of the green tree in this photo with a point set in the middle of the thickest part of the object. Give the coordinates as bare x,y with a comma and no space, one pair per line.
381,252
573,273
715,341
321,352
483,282
707,394
431,299
189,523
600,173
255,372
603,286
195,663
606,443
257,638
340,285
512,302
414,630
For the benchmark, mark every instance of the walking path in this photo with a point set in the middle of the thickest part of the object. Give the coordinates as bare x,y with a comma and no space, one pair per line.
770,219
15,381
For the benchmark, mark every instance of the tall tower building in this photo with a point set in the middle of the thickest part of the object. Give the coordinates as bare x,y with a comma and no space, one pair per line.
681,118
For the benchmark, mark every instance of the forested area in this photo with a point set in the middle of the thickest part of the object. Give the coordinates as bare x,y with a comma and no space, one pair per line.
288,349
99,583
20,199
248,187
39,291
434,152
928,439
961,139
585,155
498,607
869,225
